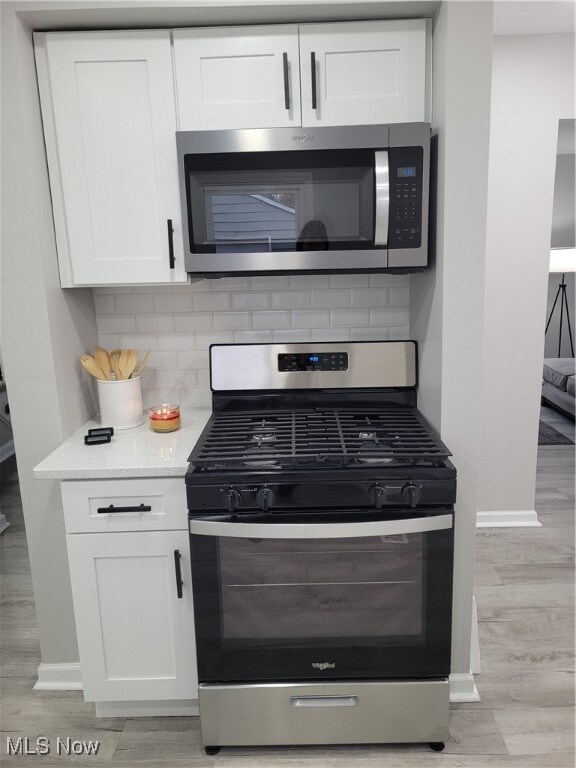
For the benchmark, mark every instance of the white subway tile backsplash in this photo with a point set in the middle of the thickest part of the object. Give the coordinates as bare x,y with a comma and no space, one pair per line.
402,333
131,303
329,299
179,322
212,302
113,289
161,359
369,334
251,301
104,303
271,320
291,336
232,321
172,302
349,281
291,300
348,318
330,334
154,323
176,341
369,297
193,360
310,281
252,337
399,296
269,282
205,338
194,321
389,316
115,323
315,318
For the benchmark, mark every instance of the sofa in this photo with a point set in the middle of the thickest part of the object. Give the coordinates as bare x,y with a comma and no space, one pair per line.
559,383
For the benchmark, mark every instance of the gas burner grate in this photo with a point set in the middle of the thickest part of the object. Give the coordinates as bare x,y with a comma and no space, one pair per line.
295,438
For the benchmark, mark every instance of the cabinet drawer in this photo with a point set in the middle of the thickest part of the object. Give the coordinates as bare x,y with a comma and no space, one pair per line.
150,504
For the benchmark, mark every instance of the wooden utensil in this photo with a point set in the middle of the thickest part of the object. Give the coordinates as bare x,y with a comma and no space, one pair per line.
115,363
127,362
92,367
102,360
143,363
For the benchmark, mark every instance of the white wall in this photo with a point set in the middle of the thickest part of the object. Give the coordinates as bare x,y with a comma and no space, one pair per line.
44,329
533,88
179,323
447,303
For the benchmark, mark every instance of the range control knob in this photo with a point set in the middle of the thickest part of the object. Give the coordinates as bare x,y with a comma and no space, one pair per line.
265,498
233,499
377,496
411,494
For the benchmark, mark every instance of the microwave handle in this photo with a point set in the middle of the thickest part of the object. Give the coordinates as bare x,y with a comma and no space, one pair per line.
381,196
240,530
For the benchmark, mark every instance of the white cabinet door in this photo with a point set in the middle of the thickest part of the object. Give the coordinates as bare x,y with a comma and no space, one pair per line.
110,119
237,77
135,635
360,73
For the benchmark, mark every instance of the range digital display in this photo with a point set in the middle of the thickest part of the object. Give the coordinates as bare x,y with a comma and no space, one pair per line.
313,361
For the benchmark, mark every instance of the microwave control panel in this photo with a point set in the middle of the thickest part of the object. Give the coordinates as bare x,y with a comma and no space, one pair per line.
405,222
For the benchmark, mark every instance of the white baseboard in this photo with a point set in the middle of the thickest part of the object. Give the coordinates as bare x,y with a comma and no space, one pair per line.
463,687
59,677
6,450
521,518
180,708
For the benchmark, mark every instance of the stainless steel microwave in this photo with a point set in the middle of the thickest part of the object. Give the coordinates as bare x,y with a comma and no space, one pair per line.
310,200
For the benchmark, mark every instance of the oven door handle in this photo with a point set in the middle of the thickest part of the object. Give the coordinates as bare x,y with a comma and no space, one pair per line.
224,526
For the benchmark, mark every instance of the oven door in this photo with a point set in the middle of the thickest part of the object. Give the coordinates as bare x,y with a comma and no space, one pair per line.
318,596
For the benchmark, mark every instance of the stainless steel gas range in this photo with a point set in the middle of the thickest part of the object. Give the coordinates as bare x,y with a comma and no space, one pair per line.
321,526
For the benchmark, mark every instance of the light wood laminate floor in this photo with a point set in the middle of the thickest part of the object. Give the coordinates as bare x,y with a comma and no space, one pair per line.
525,595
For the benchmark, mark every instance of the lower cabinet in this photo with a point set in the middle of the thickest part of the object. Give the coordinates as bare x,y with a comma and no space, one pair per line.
134,615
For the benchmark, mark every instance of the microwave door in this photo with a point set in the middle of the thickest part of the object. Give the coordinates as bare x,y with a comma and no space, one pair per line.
381,198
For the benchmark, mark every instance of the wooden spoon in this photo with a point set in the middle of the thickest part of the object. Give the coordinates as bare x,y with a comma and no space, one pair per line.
102,360
92,367
127,362
115,363
143,363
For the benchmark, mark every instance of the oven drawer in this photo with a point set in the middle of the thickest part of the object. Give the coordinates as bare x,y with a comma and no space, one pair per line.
377,712
124,505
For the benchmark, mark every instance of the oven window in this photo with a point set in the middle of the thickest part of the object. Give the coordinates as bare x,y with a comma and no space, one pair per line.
280,201
283,590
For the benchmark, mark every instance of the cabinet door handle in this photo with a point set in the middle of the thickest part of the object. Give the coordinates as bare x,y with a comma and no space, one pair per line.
313,65
179,581
286,81
112,508
171,258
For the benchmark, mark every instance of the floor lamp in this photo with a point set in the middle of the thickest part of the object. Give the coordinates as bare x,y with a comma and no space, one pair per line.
562,260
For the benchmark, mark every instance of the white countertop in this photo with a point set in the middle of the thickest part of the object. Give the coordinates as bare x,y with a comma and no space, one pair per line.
137,452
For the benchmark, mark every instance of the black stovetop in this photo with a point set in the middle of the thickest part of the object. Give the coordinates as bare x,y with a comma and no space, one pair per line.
295,439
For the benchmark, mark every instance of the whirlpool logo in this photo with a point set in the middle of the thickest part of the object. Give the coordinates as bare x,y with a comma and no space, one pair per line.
304,137
323,665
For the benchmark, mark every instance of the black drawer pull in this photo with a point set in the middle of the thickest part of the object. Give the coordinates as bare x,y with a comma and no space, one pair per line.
112,508
179,581
171,258
313,72
286,81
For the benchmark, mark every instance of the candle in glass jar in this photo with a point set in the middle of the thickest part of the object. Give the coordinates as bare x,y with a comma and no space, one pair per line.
165,417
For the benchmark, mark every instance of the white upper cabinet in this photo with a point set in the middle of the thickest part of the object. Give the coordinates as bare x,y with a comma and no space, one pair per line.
343,73
237,77
110,119
360,73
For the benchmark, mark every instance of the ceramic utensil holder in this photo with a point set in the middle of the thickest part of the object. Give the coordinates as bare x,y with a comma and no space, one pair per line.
120,403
